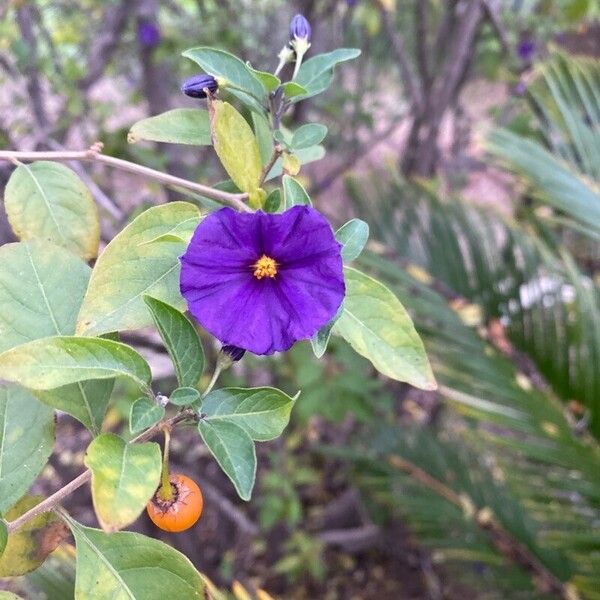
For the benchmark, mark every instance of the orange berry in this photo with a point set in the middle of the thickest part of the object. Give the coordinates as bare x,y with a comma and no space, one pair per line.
182,511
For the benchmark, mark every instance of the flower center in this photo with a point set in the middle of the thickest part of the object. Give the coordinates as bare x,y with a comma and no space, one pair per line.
265,266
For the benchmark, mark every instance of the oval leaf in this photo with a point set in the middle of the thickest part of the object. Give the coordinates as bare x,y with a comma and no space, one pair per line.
236,147
263,412
222,64
316,74
130,566
308,135
41,289
47,200
26,438
144,413
181,341
124,478
353,236
291,89
27,547
378,327
234,450
184,396
320,340
179,126
293,193
130,267
51,362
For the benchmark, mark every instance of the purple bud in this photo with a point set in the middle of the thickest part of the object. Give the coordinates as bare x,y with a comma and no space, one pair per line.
233,352
195,86
148,34
526,49
300,28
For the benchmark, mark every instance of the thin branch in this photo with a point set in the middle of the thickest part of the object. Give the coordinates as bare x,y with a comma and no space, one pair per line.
505,543
106,41
93,154
491,10
52,501
399,49
277,152
422,42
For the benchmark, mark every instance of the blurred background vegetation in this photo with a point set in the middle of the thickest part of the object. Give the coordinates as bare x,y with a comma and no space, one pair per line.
468,136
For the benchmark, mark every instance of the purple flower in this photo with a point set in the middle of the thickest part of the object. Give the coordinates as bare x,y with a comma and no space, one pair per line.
148,34
300,28
195,86
261,281
526,49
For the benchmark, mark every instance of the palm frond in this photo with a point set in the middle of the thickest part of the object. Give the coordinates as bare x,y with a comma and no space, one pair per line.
550,310
564,170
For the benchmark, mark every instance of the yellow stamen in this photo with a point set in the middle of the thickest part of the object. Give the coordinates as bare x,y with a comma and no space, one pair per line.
265,266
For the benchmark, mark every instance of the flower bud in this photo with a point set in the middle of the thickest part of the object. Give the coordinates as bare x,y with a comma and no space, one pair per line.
300,29
233,352
148,34
195,86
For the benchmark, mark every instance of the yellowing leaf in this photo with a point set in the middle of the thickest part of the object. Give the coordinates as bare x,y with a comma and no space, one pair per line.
48,201
236,146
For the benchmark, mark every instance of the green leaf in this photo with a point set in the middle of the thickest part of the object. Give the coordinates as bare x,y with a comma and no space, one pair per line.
26,442
320,340
353,236
308,135
264,136
222,64
270,82
316,74
236,147
52,362
294,193
129,267
378,327
273,201
130,566
124,478
184,396
3,536
179,126
47,200
87,401
291,89
144,413
9,596
181,341
28,546
263,412
234,450
41,289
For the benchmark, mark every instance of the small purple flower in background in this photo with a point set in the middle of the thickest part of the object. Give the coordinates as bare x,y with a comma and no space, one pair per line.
260,281
300,29
148,34
526,49
195,86
520,89
351,3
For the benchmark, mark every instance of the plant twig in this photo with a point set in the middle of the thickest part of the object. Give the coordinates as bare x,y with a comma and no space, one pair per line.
277,152
398,47
52,501
484,519
93,154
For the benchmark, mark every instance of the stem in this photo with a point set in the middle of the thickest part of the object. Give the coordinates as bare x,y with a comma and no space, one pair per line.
165,492
277,151
93,154
52,501
213,380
